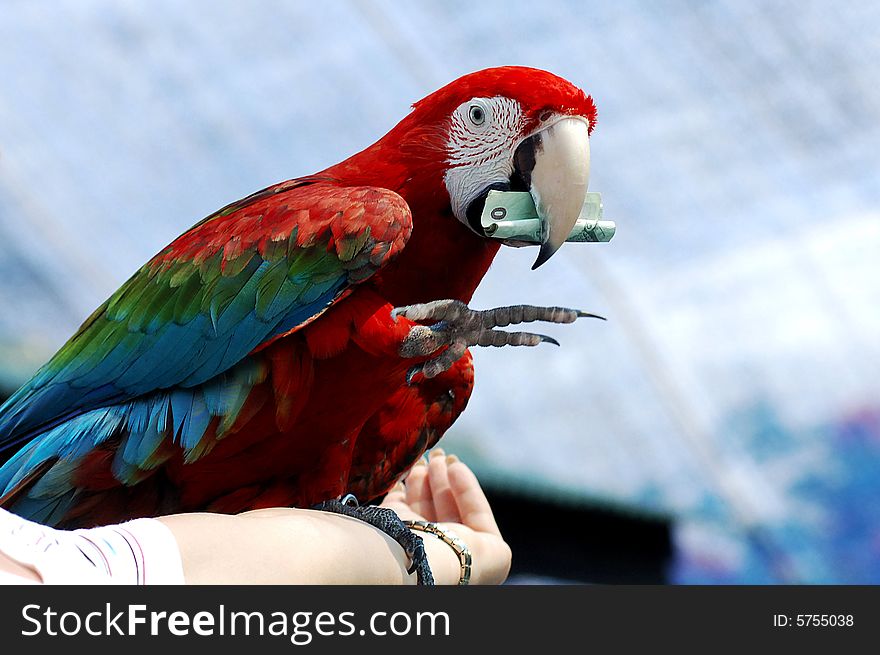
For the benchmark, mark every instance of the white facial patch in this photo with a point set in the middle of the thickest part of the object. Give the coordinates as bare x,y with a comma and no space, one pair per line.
483,135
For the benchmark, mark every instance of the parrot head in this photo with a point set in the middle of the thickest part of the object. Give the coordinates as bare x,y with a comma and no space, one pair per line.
514,129
509,128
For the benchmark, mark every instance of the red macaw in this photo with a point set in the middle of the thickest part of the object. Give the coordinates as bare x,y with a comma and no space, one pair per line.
259,360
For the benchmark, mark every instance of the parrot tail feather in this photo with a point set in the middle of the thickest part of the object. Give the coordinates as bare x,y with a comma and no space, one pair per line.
29,480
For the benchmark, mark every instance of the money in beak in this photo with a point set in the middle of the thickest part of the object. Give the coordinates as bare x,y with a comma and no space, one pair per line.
556,165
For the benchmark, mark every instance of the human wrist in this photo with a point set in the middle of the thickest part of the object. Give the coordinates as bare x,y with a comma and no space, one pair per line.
443,560
490,554
451,539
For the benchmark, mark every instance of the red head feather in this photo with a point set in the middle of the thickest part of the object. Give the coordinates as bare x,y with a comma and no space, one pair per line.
535,90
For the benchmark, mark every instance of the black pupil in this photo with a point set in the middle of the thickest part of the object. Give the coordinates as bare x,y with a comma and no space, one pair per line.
477,114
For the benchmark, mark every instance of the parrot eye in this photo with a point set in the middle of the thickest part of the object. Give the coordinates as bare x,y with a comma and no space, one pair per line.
477,115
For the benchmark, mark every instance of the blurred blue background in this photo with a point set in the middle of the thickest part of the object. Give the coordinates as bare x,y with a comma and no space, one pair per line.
733,388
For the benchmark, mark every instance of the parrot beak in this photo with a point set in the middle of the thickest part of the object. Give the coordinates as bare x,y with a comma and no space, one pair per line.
555,166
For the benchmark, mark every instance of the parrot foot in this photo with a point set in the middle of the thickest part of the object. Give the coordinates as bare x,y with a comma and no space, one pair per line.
389,522
458,327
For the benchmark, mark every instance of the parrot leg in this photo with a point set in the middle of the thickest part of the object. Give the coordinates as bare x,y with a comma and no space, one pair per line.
389,522
458,327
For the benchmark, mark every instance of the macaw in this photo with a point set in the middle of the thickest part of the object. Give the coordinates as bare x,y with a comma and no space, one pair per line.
310,340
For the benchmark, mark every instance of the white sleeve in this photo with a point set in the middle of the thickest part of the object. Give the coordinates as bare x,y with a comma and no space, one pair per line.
142,551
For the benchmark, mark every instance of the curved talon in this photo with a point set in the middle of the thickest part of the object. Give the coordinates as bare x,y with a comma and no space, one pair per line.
582,314
411,373
499,338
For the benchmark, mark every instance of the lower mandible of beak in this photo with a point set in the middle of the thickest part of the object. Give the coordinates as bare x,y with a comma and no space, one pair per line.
559,158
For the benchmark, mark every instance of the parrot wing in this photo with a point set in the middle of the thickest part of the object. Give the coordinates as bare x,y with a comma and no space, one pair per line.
258,269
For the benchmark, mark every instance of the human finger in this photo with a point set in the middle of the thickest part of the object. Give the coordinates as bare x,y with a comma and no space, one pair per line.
418,491
441,492
472,503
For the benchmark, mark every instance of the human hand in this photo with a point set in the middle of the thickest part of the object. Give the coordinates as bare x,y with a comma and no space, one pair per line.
447,492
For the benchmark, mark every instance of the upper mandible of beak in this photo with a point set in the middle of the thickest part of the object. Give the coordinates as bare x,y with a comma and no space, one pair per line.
559,178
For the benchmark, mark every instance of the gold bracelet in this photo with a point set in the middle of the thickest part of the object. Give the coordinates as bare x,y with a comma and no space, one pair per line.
453,540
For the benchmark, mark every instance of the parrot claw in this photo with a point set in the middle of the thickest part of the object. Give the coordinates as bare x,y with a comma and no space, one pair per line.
458,327
582,314
412,373
389,522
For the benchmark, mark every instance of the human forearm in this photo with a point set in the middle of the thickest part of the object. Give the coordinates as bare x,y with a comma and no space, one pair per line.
294,546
